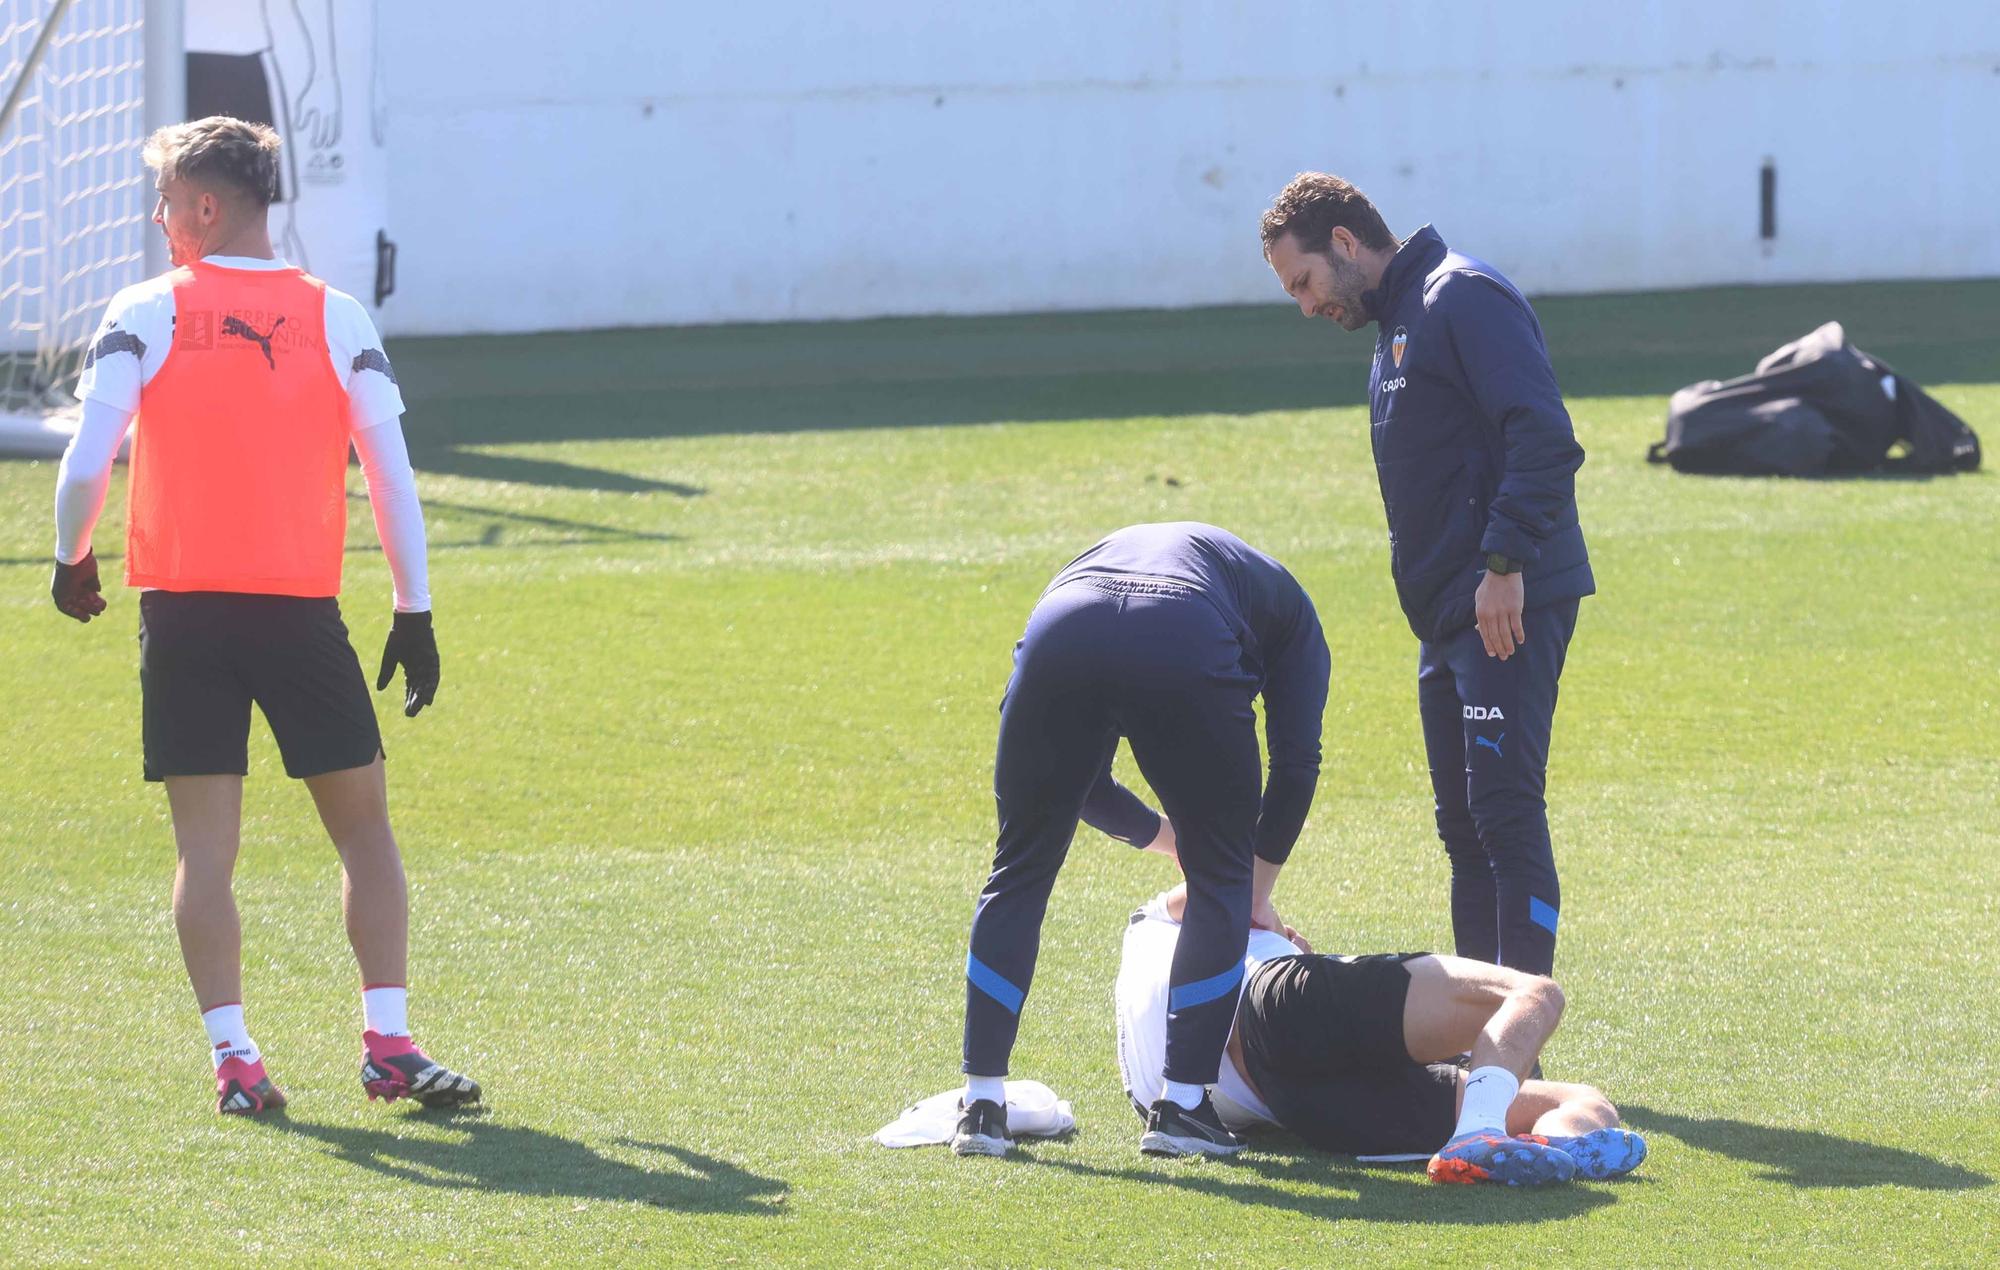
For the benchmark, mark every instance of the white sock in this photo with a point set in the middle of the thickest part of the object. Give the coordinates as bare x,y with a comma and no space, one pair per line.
991,1089
1489,1091
1186,1096
386,1007
226,1037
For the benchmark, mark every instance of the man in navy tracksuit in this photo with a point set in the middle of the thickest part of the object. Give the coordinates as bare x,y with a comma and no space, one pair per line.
1477,461
1163,634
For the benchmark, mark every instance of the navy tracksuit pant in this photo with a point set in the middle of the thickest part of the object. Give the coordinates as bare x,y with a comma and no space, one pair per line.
1156,664
1486,731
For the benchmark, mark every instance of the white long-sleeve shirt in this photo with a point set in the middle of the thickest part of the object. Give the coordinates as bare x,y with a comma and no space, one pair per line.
1142,993
130,347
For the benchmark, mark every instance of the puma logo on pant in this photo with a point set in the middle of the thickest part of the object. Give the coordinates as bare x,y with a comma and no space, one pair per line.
1491,745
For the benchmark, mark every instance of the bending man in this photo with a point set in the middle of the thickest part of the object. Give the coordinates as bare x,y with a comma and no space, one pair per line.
1164,634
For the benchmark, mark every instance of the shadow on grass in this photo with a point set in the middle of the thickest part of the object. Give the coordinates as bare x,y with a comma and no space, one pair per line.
448,461
1887,476
924,372
470,391
574,532
568,533
1342,1190
703,409
511,1159
1805,1158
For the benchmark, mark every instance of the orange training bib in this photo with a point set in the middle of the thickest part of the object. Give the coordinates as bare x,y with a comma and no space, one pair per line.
239,460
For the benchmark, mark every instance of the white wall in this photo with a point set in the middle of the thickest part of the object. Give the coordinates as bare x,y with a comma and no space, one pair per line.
606,163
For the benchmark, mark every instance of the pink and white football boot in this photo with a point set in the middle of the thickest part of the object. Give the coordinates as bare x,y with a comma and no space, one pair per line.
244,1089
393,1067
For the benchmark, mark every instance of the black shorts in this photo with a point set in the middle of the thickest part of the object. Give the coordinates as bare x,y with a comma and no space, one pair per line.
204,656
1323,1039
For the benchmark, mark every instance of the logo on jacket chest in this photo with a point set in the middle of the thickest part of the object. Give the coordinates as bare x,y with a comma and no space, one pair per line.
1399,343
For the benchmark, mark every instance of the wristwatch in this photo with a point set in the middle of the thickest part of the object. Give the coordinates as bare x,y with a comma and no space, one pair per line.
1497,563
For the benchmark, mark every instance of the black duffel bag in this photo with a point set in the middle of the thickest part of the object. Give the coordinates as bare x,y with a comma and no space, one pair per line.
1817,407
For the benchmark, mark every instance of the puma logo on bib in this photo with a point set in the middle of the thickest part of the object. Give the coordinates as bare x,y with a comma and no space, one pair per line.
233,325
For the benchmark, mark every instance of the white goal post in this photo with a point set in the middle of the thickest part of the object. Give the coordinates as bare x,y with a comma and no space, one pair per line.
84,82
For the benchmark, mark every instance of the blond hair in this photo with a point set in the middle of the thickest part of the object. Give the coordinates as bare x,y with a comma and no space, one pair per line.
234,153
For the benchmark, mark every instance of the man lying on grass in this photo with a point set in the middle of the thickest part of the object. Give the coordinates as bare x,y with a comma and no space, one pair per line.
1354,1054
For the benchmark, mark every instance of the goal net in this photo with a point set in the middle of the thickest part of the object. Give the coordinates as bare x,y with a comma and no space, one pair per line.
75,199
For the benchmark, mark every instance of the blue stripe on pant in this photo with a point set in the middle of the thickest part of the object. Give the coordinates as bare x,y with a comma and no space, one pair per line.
1486,730
1163,670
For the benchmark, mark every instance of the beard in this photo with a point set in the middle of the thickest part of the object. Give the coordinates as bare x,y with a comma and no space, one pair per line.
1345,285
178,252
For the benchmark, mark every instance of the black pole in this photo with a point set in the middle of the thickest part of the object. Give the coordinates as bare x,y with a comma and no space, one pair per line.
1767,201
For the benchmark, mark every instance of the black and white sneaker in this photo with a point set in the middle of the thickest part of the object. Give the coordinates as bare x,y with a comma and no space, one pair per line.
982,1129
1172,1129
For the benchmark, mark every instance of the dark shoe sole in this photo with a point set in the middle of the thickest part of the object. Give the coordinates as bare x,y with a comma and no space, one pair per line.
269,1098
434,1099
451,1098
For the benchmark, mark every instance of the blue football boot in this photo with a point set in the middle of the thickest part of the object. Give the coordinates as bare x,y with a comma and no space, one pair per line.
1491,1156
1603,1153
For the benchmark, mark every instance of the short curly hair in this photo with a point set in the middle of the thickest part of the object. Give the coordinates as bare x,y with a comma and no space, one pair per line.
219,150
1312,204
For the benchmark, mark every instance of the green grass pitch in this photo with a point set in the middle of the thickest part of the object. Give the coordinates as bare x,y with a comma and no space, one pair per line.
696,823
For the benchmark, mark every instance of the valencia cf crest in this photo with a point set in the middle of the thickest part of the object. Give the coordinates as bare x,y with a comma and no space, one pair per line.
1397,343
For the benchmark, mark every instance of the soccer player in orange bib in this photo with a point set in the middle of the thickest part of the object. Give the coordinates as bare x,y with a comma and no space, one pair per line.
250,380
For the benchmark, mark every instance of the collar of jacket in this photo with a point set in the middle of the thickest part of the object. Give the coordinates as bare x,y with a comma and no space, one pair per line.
1411,264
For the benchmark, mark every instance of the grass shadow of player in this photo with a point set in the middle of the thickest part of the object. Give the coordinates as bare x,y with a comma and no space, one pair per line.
544,532
1340,1189
567,531
493,1157
446,460
1804,1157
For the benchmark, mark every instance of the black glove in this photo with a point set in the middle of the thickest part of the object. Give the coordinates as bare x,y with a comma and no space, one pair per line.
75,588
411,643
